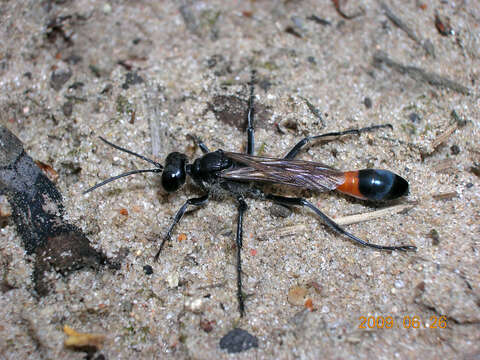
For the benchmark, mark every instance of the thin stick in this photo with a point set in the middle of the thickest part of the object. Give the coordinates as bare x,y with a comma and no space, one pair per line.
282,232
444,136
357,218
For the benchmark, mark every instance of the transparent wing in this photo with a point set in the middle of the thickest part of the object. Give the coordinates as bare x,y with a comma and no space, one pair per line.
300,173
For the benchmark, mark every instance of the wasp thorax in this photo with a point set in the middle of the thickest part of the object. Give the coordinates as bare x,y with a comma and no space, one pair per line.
174,173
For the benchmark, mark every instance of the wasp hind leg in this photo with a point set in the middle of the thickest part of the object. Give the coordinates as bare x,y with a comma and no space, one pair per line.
330,136
332,224
242,207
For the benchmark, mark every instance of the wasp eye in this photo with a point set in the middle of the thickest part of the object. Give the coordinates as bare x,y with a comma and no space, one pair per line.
174,173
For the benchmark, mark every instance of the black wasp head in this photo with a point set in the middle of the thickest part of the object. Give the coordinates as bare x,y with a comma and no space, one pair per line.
174,172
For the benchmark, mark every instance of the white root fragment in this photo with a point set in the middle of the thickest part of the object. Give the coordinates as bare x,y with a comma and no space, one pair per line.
357,218
282,232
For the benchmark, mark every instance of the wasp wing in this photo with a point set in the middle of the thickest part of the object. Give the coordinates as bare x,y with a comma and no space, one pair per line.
299,173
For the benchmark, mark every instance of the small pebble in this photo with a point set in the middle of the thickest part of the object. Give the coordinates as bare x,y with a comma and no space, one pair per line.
132,78
173,279
207,325
238,340
309,304
414,118
455,150
182,237
59,77
278,210
67,108
429,48
148,270
433,234
194,305
367,102
107,9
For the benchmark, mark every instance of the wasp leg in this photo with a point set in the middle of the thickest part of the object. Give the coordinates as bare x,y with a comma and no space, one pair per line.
199,143
332,224
250,118
331,136
242,207
194,201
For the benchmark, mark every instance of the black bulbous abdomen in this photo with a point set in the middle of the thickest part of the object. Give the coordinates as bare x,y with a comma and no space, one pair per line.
381,184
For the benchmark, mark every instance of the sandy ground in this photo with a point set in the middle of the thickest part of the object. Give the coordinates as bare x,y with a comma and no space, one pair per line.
146,74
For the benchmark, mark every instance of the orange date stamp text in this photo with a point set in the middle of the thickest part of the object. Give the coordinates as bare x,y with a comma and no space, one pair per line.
407,322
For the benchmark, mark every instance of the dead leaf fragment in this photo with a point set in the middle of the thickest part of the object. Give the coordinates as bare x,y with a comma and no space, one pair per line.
47,170
309,304
82,341
296,295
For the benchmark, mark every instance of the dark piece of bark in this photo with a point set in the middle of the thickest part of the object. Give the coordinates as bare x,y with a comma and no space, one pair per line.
37,211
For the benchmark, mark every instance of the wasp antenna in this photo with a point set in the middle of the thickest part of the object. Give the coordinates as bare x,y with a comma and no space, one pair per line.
120,176
156,164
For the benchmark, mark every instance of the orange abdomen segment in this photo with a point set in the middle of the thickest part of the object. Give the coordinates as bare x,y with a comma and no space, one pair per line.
351,185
